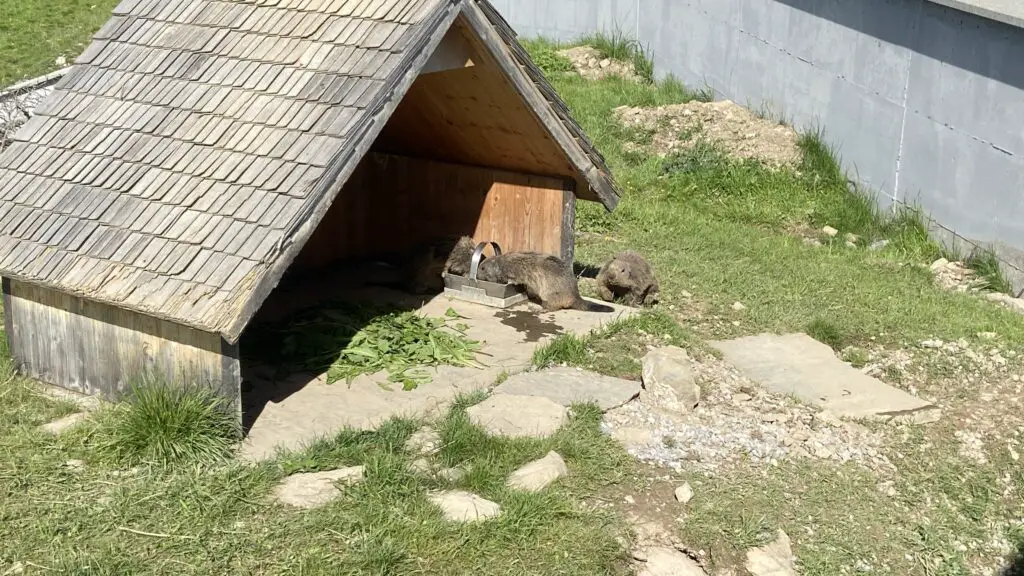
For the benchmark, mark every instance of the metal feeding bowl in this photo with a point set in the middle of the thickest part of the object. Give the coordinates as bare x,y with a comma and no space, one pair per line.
471,289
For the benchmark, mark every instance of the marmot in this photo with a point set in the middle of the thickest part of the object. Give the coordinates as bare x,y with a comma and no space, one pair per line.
424,265
630,278
544,277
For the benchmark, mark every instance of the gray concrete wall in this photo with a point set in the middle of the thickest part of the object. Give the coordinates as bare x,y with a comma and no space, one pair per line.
923,102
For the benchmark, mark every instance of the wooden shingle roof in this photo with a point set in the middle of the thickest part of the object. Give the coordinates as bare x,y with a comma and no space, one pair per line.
184,160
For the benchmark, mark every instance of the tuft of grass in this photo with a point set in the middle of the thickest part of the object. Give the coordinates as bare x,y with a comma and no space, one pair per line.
702,156
167,424
618,45
985,263
565,349
826,332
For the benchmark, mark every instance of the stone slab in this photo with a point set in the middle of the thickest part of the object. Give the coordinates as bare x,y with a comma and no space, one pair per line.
800,366
460,506
310,490
567,386
62,424
539,474
518,416
303,409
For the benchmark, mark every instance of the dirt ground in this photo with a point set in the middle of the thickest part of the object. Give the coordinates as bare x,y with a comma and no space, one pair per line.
670,129
588,63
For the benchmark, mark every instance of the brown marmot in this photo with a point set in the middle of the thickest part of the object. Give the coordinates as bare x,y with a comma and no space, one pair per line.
426,262
629,278
544,277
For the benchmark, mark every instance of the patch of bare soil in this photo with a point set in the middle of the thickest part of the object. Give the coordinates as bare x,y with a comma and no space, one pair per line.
589,64
979,384
678,127
653,514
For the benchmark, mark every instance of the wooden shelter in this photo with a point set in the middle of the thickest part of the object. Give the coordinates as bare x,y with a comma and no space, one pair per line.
200,148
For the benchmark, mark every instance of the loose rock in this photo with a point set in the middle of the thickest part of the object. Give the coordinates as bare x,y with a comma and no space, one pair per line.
537,475
1015,304
684,493
452,474
774,559
567,386
460,506
670,366
738,306
830,231
75,465
425,442
664,561
518,416
315,489
878,245
59,426
587,62
628,436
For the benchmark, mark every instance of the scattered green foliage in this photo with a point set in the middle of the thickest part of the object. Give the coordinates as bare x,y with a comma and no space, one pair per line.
348,340
167,424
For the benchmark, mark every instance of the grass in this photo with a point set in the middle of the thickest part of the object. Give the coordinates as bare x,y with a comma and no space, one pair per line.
986,265
720,229
165,425
181,519
616,349
617,45
34,33
717,231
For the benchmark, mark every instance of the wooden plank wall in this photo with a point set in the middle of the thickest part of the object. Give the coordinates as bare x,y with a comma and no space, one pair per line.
474,115
99,349
393,202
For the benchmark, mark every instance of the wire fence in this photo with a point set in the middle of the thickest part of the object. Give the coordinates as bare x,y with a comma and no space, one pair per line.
18,102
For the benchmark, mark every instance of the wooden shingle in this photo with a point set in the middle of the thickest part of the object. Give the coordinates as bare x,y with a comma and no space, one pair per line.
191,141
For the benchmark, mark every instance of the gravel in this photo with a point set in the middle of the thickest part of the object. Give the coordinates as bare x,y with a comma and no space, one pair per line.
738,420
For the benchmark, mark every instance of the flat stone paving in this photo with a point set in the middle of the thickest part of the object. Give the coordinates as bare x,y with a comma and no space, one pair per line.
305,408
566,386
799,365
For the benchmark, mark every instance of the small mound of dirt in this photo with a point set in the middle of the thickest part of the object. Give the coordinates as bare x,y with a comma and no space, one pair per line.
956,276
588,63
735,129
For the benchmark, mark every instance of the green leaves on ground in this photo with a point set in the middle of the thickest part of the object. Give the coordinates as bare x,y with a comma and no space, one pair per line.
347,340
